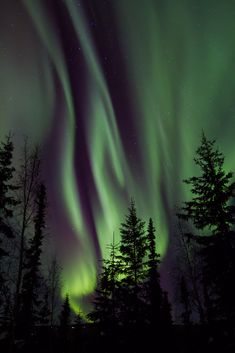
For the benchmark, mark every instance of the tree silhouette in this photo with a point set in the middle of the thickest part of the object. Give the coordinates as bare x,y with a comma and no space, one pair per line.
7,201
133,247
154,291
30,300
78,322
212,213
185,300
106,302
65,315
53,284
132,255
28,182
44,312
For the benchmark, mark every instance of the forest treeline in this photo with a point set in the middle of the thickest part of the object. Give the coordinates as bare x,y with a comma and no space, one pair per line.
131,311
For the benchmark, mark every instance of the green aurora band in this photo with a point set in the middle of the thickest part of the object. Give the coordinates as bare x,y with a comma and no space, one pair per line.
179,56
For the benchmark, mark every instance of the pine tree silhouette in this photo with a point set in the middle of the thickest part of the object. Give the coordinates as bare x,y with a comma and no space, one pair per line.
212,212
65,316
106,305
7,200
154,290
132,255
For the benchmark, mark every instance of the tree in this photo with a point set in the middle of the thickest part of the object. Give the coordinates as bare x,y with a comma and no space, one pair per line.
28,181
106,304
212,213
78,322
154,290
132,247
65,315
65,321
30,300
44,313
189,263
132,256
158,308
7,200
166,312
185,301
53,283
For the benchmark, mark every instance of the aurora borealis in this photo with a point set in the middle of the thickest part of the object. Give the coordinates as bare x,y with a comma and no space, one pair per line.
117,93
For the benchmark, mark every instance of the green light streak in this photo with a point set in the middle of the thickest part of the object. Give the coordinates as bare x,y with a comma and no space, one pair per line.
106,151
180,59
105,145
67,173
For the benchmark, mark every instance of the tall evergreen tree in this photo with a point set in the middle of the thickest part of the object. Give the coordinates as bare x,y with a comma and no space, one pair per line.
154,290
78,322
106,305
65,322
65,316
7,200
212,212
132,255
133,247
32,279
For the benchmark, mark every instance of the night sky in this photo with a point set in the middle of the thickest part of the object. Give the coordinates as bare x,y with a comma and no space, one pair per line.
117,93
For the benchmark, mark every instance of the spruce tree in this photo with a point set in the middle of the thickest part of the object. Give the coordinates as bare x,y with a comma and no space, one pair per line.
212,213
78,322
132,255
106,303
65,316
133,247
65,322
7,200
154,290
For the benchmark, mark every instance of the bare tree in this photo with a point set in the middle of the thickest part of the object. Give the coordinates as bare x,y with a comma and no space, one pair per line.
28,179
191,268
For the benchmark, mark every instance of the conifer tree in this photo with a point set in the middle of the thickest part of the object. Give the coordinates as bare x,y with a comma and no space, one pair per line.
154,290
133,247
53,283
65,322
132,255
106,303
7,200
65,316
212,213
78,320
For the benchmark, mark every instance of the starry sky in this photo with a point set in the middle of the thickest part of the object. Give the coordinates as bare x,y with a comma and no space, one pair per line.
117,93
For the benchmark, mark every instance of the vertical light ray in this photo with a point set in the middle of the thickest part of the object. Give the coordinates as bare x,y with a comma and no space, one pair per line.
76,283
108,160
